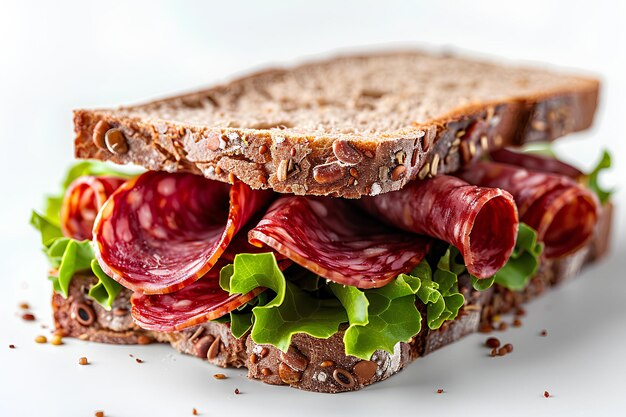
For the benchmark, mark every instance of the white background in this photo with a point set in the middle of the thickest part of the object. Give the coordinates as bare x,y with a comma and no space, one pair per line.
60,55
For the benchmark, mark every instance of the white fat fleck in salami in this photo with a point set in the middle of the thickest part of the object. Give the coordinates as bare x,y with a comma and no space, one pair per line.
562,211
162,231
481,222
335,240
81,203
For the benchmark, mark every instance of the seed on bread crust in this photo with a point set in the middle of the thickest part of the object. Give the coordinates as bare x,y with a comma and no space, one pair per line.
328,173
346,153
83,313
434,165
116,142
98,134
343,378
365,371
214,349
281,171
398,173
424,171
287,374
294,359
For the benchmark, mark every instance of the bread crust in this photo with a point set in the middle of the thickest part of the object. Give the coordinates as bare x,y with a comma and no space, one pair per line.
346,165
320,364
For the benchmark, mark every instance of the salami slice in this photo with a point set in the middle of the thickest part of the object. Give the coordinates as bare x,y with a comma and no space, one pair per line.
197,303
162,231
333,239
200,301
536,163
561,211
481,222
82,202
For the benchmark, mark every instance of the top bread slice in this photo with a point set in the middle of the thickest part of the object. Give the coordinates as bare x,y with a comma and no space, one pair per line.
348,126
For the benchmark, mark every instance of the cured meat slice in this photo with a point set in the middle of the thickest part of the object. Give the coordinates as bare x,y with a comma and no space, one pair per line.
481,222
162,231
536,163
82,202
561,211
333,239
200,301
197,303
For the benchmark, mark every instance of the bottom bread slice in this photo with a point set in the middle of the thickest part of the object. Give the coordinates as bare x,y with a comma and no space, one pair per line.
314,364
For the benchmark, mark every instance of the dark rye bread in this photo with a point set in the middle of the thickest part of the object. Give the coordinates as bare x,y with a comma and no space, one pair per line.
349,126
315,364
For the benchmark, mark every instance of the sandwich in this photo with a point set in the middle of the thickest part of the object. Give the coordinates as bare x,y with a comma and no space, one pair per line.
325,225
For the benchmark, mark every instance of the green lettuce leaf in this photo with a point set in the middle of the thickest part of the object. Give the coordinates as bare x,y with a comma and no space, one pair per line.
376,318
106,289
592,178
76,257
240,323
446,276
524,261
381,317
482,284
48,229
291,311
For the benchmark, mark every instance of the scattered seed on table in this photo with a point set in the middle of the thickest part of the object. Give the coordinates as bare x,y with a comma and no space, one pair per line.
56,340
492,342
28,317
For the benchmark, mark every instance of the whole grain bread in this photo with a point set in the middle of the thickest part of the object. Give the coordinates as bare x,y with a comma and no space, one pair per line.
348,126
317,364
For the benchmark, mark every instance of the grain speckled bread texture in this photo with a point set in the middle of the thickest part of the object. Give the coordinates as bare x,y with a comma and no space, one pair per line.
318,364
348,126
